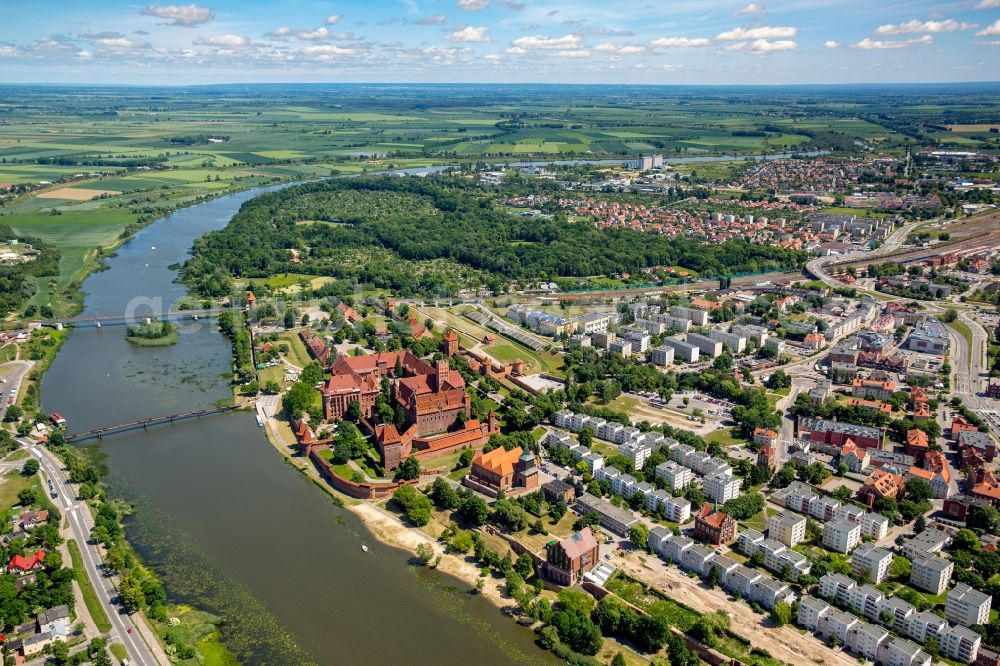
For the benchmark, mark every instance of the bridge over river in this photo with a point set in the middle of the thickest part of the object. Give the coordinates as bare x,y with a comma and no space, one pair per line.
145,424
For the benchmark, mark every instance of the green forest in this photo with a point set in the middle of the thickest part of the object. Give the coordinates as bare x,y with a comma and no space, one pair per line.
322,228
18,280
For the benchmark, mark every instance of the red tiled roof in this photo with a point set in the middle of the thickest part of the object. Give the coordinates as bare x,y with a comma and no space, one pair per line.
21,563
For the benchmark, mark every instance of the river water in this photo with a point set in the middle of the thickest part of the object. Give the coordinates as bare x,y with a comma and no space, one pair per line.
227,525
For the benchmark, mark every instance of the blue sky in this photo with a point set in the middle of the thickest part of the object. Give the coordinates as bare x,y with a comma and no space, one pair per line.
501,41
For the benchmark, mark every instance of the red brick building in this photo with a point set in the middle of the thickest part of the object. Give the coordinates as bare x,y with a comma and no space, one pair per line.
432,398
568,559
714,527
514,472
449,343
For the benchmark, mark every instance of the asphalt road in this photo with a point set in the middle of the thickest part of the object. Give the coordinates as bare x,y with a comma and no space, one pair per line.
123,629
20,369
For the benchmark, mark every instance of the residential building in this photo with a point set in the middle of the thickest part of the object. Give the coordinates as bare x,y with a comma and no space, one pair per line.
961,644
841,536
621,346
900,611
874,525
636,453
721,488
926,624
696,316
931,573
568,559
677,546
658,538
687,352
741,580
866,600
967,606
698,558
872,388
662,355
811,611
835,625
558,491
677,509
865,639
927,542
706,345
872,562
787,527
837,433
714,526
737,344
675,475
768,592
901,652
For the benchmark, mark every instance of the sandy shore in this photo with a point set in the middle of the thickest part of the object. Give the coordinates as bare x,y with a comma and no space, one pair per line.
388,529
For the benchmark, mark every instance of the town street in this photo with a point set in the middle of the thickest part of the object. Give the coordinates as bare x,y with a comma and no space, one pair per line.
131,631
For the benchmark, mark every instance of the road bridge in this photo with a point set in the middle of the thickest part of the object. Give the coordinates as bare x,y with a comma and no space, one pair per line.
145,424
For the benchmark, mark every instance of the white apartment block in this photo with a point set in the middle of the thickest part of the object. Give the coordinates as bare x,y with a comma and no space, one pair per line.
721,488
676,509
967,606
841,536
787,527
737,343
901,652
865,639
696,316
931,573
675,475
636,453
874,525
662,355
756,333
872,562
961,644
811,611
688,353
706,345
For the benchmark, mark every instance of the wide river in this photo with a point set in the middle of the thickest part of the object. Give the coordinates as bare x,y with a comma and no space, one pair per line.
227,525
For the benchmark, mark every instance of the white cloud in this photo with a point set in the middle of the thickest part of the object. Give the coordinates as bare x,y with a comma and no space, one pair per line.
541,42
990,30
283,31
516,50
988,4
473,5
115,43
763,32
511,4
469,34
752,8
327,50
180,15
623,49
867,44
312,35
437,19
333,19
678,42
491,56
8,51
82,55
223,40
764,46
830,44
924,27
573,53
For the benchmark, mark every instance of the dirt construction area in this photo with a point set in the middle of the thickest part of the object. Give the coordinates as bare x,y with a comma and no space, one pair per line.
784,643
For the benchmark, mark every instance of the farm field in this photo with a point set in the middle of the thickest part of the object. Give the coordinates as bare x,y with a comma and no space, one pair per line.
82,166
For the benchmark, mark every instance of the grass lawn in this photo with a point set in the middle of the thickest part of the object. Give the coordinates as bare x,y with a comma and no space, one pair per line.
297,354
726,437
94,606
11,484
8,353
19,454
757,522
119,651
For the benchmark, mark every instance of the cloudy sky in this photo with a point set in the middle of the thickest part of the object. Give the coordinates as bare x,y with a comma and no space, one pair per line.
559,41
